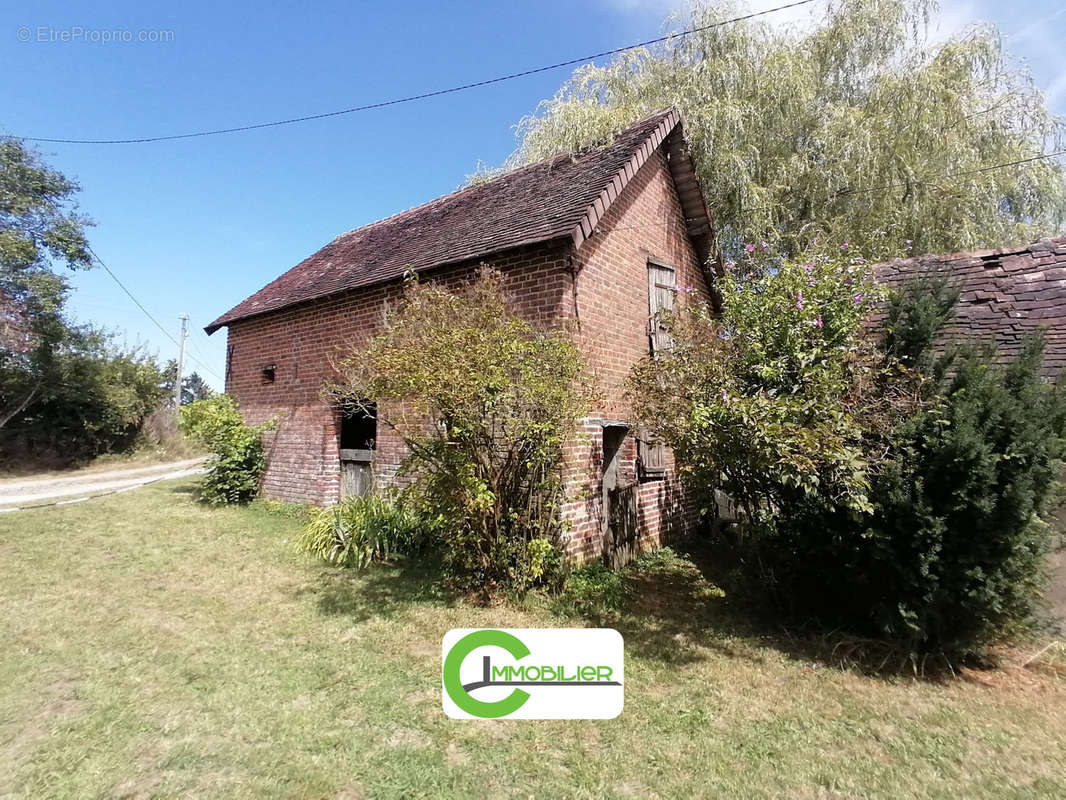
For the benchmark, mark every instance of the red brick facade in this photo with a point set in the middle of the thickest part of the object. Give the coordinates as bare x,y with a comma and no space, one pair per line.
302,344
599,287
645,223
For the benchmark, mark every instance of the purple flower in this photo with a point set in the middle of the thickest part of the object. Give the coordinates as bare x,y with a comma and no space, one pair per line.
810,284
749,248
689,289
799,300
857,299
809,267
818,322
730,264
725,396
844,246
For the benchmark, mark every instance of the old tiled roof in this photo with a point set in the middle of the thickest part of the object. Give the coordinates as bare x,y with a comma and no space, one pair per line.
556,199
1006,294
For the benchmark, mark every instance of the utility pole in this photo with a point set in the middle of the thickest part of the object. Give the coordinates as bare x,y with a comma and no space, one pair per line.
181,359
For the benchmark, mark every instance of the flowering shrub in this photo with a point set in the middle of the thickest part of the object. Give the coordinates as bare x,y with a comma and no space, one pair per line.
762,402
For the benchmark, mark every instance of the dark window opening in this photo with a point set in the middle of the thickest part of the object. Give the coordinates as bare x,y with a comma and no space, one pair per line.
358,438
268,373
359,429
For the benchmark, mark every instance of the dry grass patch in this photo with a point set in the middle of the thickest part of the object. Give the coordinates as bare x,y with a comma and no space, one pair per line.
154,647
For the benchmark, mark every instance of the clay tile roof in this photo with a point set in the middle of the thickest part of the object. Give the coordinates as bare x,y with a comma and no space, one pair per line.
554,199
1006,294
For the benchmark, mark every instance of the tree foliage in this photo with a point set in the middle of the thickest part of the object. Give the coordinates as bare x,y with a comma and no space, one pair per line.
67,392
193,386
86,398
858,129
484,402
40,229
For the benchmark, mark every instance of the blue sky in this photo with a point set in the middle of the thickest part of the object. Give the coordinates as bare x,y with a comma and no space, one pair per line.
197,225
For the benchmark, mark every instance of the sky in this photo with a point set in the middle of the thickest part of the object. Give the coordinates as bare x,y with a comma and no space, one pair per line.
196,225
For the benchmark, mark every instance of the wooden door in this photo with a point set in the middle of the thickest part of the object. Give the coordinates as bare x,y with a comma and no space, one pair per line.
357,473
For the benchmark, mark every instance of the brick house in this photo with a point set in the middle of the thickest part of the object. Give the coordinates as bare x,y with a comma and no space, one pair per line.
599,241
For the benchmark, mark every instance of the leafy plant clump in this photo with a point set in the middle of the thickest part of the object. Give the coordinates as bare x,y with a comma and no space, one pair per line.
362,530
484,402
237,459
593,590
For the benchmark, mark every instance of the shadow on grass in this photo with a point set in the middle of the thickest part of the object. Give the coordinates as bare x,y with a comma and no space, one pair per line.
680,605
676,607
386,591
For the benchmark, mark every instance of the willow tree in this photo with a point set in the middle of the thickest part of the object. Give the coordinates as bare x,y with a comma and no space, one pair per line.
857,128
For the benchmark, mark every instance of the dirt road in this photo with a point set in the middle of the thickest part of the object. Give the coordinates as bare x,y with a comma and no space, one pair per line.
22,493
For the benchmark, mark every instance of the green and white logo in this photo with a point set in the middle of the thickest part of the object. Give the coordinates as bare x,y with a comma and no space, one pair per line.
532,673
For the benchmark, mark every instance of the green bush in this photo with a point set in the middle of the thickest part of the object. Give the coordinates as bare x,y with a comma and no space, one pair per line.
88,398
237,459
892,493
362,530
769,399
954,553
484,402
593,590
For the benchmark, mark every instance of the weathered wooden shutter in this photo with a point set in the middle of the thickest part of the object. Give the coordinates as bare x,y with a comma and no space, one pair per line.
662,287
651,454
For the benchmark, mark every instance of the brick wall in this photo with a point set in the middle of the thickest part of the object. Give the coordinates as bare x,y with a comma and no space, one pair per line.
611,308
303,342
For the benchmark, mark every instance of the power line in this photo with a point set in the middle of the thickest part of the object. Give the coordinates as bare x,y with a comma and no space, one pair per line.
146,312
424,95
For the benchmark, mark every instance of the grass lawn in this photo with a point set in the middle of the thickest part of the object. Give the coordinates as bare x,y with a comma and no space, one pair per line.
152,647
